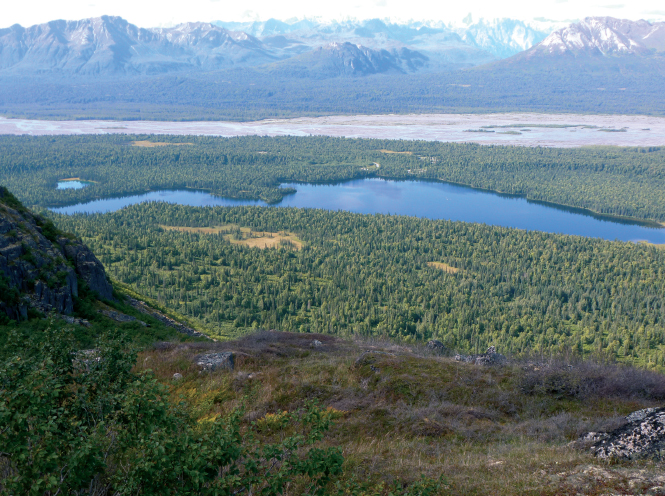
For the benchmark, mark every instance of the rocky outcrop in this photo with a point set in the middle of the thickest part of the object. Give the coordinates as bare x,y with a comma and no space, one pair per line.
87,267
490,357
215,361
643,436
436,346
41,267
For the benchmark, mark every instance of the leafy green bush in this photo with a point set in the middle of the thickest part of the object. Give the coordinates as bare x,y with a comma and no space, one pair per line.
84,423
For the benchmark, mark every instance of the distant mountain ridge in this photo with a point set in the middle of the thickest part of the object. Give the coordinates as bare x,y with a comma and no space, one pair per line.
109,45
496,38
604,36
501,37
348,59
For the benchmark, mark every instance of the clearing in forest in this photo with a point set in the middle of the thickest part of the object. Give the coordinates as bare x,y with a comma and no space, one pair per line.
659,246
153,144
245,236
398,153
444,267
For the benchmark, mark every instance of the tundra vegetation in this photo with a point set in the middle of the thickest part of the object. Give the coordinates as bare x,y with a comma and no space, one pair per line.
308,414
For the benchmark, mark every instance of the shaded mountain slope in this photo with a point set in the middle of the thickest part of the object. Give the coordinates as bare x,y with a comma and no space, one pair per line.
347,59
42,268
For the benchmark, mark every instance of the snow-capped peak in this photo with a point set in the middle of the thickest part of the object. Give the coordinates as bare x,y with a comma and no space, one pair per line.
606,36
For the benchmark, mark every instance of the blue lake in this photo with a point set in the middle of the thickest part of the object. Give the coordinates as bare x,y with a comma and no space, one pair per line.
415,198
72,184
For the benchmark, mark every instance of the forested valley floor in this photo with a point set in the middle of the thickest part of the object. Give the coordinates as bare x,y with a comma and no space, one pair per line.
626,182
619,87
467,285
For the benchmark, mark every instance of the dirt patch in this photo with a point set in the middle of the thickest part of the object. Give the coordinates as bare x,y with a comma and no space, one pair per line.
444,267
245,236
153,144
655,245
198,230
397,153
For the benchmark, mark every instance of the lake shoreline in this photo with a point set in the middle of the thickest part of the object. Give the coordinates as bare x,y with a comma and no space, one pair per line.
650,223
434,200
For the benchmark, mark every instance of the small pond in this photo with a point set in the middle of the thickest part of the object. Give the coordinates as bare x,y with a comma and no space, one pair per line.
432,200
72,184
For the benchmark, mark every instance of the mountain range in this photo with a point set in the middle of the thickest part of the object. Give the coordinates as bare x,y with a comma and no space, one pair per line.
108,68
496,38
604,36
107,45
112,46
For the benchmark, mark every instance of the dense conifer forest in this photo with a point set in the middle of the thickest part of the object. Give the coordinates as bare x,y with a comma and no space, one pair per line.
608,180
468,285
249,94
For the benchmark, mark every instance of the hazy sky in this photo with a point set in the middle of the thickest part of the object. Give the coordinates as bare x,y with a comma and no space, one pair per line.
152,13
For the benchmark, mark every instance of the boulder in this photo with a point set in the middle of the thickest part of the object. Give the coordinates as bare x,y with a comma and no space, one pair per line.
73,320
215,361
436,345
177,376
490,357
643,436
316,344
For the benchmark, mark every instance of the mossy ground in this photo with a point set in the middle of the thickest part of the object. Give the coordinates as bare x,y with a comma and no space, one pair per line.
406,412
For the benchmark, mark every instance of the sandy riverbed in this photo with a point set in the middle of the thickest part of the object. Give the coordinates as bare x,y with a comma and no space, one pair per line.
523,129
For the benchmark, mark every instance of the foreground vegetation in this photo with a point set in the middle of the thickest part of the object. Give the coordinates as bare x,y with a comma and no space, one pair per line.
608,180
310,418
469,285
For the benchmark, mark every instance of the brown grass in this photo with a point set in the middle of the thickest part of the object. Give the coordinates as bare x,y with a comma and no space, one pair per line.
153,144
251,239
655,245
198,230
488,430
398,153
444,267
76,179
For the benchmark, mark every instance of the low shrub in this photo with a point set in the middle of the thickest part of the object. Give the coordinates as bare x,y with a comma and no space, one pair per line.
77,423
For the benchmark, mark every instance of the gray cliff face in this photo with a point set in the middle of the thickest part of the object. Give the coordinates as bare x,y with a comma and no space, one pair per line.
39,267
87,267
